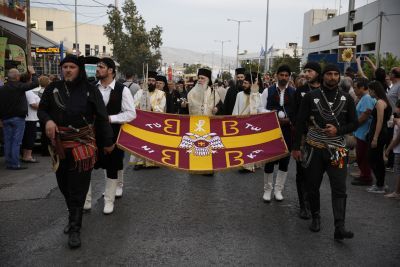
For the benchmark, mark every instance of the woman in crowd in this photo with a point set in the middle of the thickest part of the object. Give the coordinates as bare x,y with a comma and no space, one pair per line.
377,135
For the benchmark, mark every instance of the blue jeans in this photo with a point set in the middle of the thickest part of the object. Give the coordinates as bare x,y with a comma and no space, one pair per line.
13,131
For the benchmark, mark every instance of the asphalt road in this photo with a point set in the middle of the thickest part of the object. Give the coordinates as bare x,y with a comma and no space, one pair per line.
170,218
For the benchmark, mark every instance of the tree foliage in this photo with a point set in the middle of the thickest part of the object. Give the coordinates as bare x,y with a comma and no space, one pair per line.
252,66
226,75
387,62
133,46
292,62
192,68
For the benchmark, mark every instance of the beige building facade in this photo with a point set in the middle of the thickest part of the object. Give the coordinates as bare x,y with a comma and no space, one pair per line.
59,25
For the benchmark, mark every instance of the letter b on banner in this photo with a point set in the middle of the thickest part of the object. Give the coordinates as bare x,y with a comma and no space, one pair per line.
229,128
172,126
170,157
234,158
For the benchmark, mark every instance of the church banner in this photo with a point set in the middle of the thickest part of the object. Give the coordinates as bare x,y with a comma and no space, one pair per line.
202,143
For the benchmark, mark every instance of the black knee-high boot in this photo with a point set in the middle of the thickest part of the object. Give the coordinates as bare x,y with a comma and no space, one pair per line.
314,201
339,214
74,240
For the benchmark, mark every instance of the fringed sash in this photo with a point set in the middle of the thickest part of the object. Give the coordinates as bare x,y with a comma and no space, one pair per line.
82,143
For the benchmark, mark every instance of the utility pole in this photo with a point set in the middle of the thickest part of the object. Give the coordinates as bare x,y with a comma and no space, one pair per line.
116,4
76,28
222,52
349,28
28,33
237,52
378,47
266,63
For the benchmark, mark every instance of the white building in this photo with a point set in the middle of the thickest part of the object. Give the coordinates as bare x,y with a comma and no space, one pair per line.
59,25
291,49
321,29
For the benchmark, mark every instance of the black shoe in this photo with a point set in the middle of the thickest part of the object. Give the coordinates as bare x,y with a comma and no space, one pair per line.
16,168
74,240
361,182
244,171
304,214
137,167
341,233
315,224
67,228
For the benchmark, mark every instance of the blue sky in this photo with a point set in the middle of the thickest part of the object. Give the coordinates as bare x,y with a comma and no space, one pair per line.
195,25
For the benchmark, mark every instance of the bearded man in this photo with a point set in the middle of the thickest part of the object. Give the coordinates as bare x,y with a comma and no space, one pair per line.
248,102
202,99
330,113
148,98
312,72
230,98
72,111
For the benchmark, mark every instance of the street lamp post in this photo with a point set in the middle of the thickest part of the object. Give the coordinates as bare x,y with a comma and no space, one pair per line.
222,52
237,52
266,63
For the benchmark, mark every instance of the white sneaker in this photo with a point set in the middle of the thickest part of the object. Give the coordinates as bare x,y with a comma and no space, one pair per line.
376,189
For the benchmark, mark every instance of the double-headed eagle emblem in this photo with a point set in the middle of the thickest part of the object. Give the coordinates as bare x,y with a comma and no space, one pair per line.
201,145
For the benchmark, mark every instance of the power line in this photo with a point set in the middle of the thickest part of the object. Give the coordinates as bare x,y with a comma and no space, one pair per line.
44,3
97,2
83,23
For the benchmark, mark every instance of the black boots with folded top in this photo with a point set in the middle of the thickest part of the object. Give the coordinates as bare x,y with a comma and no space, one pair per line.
339,212
315,225
74,227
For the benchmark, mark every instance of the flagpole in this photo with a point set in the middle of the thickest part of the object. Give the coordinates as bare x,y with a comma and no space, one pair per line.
266,65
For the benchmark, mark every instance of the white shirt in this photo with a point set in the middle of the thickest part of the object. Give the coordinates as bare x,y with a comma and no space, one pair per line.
264,98
32,98
242,104
128,112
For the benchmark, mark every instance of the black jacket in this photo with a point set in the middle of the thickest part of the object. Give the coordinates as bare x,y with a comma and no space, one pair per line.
83,105
13,100
347,117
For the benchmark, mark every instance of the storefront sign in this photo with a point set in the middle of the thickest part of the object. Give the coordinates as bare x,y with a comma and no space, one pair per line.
48,50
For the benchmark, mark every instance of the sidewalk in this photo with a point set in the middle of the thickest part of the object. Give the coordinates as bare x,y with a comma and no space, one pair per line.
33,183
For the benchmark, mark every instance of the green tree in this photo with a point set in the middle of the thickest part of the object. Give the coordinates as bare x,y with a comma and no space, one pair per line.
226,75
133,46
192,68
292,62
252,66
388,61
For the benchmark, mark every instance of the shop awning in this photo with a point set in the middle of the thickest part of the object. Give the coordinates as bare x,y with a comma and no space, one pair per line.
19,32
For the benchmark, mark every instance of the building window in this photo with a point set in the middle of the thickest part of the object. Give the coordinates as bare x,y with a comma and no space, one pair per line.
358,26
96,50
87,50
314,38
334,51
337,31
324,52
368,47
74,47
49,25
358,49
331,15
104,49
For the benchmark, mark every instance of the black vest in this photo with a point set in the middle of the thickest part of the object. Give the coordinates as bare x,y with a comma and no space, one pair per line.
114,106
